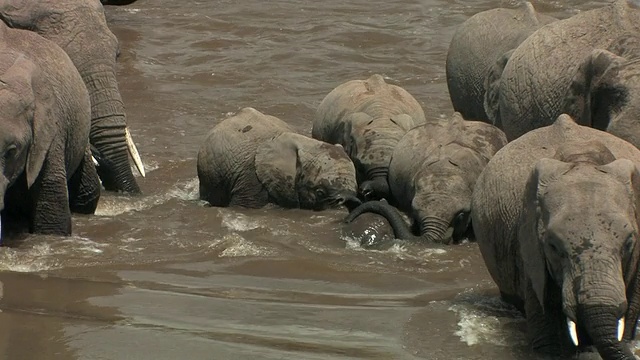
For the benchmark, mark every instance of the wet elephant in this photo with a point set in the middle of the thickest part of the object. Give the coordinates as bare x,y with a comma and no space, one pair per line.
556,215
431,176
367,117
251,159
79,27
533,87
46,166
479,43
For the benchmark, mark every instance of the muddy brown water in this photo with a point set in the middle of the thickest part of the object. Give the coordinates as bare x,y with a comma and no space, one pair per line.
162,276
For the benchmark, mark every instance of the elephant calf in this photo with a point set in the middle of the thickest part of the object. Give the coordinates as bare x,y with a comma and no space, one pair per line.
556,214
252,159
431,177
367,117
477,45
46,167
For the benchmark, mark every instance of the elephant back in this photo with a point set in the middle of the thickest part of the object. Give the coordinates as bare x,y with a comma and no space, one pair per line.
499,191
477,44
226,160
538,75
372,96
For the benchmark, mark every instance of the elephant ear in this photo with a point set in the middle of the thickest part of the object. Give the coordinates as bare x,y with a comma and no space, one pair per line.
627,172
492,88
39,104
585,99
353,127
277,165
404,121
531,233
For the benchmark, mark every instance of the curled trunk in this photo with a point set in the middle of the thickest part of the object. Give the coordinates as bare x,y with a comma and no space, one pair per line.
432,229
108,125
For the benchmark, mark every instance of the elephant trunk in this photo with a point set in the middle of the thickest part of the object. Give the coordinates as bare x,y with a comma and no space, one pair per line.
602,324
436,230
596,297
375,189
109,132
400,228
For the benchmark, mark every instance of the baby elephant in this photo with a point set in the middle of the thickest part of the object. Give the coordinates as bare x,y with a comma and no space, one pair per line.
252,159
431,176
367,117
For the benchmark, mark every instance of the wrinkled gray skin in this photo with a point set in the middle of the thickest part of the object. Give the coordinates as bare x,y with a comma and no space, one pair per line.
368,118
556,215
477,44
605,90
79,27
432,174
46,167
532,89
252,159
370,231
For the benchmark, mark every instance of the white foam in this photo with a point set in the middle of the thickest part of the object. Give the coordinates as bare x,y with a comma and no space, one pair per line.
133,11
34,259
239,222
474,328
239,247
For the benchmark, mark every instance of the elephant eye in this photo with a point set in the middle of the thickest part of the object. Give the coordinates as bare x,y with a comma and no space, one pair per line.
556,248
320,192
10,152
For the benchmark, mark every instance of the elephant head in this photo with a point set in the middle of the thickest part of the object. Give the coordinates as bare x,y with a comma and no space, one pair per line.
605,91
579,235
370,142
298,171
80,29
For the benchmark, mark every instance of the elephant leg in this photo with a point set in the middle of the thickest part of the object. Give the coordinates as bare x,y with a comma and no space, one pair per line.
542,325
50,212
84,187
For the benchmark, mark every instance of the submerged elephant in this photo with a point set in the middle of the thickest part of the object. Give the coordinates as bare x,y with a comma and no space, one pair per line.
556,215
79,27
367,117
47,170
252,159
432,174
532,88
477,44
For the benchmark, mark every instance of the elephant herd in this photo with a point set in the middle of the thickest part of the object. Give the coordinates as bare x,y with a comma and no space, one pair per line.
539,161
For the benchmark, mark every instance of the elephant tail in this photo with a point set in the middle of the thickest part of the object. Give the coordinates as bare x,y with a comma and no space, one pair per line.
401,229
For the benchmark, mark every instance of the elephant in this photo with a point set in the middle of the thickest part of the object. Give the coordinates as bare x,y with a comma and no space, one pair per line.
432,173
530,85
368,118
252,159
477,44
47,170
556,215
79,27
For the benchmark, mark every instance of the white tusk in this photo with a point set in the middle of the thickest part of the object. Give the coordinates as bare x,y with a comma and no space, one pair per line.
573,333
620,329
95,162
133,151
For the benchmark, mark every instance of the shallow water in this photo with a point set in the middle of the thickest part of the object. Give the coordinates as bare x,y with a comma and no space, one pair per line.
162,276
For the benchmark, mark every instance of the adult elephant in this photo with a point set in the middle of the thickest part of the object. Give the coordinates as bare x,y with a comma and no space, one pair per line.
46,169
556,214
251,159
477,45
79,27
532,89
368,118
431,176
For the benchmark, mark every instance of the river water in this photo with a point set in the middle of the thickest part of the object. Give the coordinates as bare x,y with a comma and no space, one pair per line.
161,276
